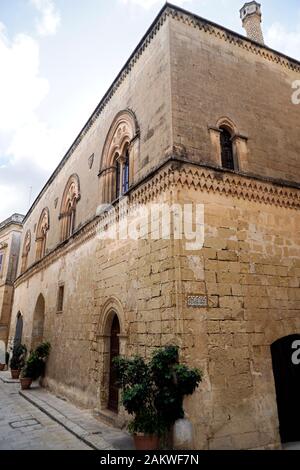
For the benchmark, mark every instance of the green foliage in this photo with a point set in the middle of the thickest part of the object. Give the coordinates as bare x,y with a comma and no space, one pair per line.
153,392
17,361
35,364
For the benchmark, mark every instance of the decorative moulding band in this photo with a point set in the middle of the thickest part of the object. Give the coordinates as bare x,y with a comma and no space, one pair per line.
211,181
174,174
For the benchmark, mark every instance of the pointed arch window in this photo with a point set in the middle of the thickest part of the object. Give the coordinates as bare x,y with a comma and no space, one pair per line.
122,173
41,234
227,154
25,252
70,199
119,157
126,172
118,175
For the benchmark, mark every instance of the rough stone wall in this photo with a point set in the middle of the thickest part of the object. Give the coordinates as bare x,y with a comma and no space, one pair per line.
138,276
146,91
252,25
249,269
69,331
213,78
10,237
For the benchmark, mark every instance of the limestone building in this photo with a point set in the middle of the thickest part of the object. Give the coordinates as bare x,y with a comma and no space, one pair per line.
10,238
199,115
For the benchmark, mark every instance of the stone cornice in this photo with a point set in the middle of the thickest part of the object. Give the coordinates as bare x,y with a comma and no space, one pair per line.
232,37
227,184
173,173
83,235
215,180
193,20
15,219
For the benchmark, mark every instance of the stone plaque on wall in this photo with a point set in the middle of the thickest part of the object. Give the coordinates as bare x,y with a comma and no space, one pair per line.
197,301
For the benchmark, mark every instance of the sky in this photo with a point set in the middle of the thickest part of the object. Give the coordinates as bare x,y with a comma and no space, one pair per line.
58,58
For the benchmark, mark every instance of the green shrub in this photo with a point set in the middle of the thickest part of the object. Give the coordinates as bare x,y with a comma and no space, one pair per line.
17,361
153,392
35,364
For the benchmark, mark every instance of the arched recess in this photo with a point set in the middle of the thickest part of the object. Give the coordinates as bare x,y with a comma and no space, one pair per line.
228,124
25,251
119,157
68,207
19,330
286,369
228,131
38,323
41,233
229,146
111,337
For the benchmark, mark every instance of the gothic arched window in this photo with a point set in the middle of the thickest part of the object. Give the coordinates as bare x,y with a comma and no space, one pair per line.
119,157
126,172
70,199
41,234
226,148
25,252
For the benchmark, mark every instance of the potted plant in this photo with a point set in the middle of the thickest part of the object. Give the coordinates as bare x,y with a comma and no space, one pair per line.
153,393
35,365
17,361
3,365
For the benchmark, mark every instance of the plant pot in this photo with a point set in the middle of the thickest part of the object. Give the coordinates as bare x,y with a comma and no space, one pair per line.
146,442
2,367
15,374
25,383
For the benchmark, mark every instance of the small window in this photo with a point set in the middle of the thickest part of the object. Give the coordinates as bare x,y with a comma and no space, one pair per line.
1,262
60,298
118,173
126,173
226,149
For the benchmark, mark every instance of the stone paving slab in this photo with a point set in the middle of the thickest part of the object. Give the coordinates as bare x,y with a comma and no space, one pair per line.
5,376
81,423
25,427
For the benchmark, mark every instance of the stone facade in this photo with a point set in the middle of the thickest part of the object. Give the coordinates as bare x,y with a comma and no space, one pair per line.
10,238
186,82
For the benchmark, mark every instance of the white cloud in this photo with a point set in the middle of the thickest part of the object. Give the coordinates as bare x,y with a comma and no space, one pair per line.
288,42
150,3
21,88
29,148
49,20
10,201
36,144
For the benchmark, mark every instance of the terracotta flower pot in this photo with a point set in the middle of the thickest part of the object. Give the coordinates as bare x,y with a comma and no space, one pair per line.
25,383
2,367
15,374
145,442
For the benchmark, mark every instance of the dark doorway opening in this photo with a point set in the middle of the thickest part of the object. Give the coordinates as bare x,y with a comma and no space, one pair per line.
19,330
287,382
113,399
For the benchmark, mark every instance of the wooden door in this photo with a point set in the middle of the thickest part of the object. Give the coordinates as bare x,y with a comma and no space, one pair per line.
113,400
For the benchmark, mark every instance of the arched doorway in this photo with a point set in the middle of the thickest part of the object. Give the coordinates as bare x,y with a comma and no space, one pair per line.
38,322
287,382
113,396
19,330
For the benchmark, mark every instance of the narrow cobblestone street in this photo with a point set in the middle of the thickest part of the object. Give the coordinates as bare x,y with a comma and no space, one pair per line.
24,427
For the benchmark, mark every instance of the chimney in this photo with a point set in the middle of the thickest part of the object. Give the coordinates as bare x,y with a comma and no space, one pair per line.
251,18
